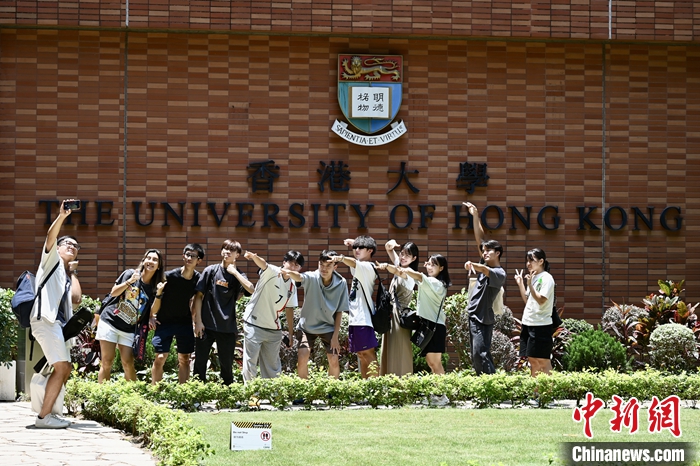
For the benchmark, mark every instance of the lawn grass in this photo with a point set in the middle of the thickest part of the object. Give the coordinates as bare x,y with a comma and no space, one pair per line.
420,437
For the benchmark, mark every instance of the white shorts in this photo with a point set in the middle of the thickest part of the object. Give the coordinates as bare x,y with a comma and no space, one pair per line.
50,338
106,332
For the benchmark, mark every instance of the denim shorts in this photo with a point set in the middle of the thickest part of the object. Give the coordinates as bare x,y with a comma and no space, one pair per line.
163,338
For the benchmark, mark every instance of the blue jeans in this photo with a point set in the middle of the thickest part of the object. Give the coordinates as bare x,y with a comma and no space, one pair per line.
481,336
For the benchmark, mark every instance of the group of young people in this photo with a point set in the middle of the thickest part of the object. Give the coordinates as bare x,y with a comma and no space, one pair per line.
198,309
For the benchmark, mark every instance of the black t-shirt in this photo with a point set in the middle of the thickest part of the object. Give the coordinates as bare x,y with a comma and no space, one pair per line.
175,304
133,302
480,305
221,291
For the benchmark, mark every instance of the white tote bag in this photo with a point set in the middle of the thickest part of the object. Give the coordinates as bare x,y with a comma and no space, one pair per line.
37,389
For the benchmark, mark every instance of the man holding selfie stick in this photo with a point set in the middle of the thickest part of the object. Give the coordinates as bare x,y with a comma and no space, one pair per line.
60,293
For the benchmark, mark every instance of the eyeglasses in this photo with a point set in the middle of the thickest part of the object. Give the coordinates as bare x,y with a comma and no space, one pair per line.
71,244
359,247
191,255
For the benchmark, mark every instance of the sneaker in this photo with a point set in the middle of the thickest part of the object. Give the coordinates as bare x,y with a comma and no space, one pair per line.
254,402
51,421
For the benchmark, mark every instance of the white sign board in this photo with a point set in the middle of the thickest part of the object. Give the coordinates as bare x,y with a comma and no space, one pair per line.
370,102
251,436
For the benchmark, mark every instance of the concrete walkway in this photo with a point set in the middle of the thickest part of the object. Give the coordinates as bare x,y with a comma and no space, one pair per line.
83,443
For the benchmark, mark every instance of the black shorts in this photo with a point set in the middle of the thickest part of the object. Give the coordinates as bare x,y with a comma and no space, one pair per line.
536,342
437,343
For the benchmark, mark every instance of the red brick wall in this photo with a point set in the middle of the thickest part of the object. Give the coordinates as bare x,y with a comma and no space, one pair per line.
202,107
677,20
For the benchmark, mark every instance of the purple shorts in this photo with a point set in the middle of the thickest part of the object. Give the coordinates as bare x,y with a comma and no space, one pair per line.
361,337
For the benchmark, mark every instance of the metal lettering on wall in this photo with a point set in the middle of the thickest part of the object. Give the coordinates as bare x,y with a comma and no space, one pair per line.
401,216
335,175
369,95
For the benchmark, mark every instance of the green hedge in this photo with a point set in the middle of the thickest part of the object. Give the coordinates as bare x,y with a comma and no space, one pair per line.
168,433
483,391
155,412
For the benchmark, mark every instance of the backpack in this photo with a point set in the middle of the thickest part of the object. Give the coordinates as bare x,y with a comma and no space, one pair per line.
25,296
381,318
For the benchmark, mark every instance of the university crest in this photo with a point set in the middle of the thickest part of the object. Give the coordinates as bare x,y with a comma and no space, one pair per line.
369,94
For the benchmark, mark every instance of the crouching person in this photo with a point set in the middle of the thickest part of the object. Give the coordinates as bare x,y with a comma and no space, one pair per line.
325,300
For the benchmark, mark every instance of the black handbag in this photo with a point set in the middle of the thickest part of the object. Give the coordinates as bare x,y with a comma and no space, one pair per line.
425,332
409,319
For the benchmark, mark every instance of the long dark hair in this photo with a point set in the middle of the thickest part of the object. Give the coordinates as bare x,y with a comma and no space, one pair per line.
538,254
412,249
159,275
444,275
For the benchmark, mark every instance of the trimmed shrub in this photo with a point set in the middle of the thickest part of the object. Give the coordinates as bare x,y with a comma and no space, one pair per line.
672,348
576,326
503,351
9,328
168,433
595,350
457,323
505,323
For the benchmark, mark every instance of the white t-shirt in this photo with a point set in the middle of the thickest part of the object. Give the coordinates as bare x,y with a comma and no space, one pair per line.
407,282
55,287
272,295
431,293
535,314
360,314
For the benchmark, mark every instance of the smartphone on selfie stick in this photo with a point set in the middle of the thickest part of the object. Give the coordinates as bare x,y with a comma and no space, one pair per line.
72,205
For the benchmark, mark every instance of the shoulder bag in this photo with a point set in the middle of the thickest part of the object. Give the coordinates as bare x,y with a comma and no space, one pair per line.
425,332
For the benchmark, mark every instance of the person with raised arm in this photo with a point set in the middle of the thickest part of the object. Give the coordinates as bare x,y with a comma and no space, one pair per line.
275,294
219,287
432,291
172,314
136,290
537,289
59,295
397,351
361,337
490,277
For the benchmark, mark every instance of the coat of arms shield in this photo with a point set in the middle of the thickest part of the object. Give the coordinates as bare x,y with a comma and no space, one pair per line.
369,89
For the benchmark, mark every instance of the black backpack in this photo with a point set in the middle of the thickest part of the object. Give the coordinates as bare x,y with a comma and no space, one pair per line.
381,318
25,296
